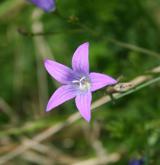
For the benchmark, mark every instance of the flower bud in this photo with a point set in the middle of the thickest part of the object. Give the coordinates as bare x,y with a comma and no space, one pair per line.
46,5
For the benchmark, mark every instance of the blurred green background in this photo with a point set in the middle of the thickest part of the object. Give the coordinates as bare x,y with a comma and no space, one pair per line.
130,127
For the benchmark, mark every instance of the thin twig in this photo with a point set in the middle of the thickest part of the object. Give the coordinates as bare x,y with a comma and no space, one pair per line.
24,32
135,48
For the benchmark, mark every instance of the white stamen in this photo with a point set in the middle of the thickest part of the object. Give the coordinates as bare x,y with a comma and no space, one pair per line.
83,83
83,78
75,81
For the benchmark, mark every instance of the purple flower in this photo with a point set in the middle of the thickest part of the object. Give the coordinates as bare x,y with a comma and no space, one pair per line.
136,162
46,5
77,82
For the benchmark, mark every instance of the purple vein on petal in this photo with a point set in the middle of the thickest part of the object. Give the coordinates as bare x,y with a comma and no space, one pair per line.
80,61
61,73
61,95
83,103
99,80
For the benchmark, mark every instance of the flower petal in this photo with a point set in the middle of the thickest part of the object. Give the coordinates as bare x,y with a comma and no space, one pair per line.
83,103
60,72
80,61
46,5
99,80
61,95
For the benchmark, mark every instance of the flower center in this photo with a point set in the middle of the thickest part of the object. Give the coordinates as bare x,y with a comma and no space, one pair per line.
83,83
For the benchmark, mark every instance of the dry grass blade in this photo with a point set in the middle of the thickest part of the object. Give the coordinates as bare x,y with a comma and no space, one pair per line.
95,161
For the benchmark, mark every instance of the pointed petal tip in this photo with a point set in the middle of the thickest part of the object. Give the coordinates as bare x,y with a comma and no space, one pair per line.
61,95
46,63
99,80
114,81
88,119
86,44
80,59
48,109
46,60
58,71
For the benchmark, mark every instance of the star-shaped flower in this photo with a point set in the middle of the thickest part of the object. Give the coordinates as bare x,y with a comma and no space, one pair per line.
77,82
46,5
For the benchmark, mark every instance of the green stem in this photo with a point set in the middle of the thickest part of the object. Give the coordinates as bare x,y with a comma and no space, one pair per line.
31,34
135,48
155,80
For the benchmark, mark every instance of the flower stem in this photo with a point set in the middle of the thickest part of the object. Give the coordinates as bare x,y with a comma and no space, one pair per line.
155,80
